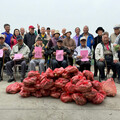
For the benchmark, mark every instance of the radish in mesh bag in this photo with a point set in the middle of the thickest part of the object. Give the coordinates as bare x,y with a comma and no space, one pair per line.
13,88
88,74
79,99
61,82
65,97
109,87
83,86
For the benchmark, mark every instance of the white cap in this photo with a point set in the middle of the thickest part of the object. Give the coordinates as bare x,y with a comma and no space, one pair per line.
2,36
82,38
117,26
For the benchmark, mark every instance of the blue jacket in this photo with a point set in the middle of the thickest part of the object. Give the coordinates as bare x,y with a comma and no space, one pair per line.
8,37
90,37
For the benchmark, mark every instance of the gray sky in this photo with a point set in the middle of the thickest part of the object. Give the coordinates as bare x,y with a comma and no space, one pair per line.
60,13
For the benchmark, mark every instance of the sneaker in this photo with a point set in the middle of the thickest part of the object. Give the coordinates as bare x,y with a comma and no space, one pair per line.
11,79
118,81
1,78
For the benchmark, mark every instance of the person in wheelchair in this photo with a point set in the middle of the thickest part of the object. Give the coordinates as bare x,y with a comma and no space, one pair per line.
106,55
19,55
82,54
59,55
38,56
4,54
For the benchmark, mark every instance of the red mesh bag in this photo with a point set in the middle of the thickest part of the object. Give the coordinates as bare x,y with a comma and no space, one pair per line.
21,84
43,76
58,71
88,74
77,78
103,93
45,93
83,86
66,75
30,81
61,82
49,73
70,88
109,87
97,85
71,69
46,83
79,99
55,94
37,85
90,95
24,93
78,73
65,97
33,73
37,94
30,89
99,98
13,88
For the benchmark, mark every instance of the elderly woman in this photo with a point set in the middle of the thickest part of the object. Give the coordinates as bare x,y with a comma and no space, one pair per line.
37,60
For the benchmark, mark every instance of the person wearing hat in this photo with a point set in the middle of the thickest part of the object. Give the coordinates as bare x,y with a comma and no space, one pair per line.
97,40
29,38
40,61
19,48
69,43
114,35
6,52
53,41
59,63
84,65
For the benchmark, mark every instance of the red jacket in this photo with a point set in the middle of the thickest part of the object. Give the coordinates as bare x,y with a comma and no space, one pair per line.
14,42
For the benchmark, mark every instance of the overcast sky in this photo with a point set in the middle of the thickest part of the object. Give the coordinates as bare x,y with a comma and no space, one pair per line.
58,14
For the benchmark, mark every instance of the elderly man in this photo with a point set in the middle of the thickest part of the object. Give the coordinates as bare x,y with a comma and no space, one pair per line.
37,60
105,55
7,34
22,32
77,31
4,54
59,59
19,55
69,43
29,38
98,39
83,59
89,37
63,33
53,41
43,35
52,33
115,34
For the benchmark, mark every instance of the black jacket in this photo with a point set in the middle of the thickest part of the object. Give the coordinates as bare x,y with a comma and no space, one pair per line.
53,49
29,39
98,40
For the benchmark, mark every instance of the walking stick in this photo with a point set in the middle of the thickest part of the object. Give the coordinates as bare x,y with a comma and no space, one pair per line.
3,65
15,70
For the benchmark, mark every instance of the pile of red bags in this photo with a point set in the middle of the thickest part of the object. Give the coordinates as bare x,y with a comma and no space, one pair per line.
67,84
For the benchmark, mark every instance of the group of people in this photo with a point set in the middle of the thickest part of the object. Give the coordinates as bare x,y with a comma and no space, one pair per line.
48,46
